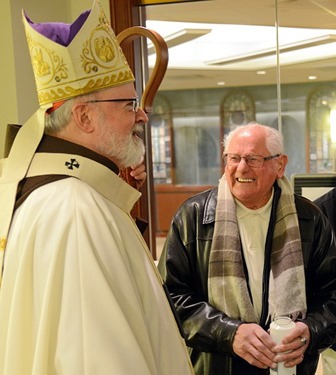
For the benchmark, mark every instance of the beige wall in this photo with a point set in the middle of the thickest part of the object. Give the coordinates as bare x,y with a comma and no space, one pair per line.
18,96
8,106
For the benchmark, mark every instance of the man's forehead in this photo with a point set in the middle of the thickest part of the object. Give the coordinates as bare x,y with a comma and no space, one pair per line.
247,143
121,91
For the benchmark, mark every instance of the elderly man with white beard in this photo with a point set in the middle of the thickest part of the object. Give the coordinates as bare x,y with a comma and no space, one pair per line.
80,293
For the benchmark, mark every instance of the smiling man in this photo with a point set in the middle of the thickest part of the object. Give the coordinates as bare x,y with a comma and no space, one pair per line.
247,251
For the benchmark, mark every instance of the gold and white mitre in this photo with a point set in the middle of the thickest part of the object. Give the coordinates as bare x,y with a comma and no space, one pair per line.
93,59
68,60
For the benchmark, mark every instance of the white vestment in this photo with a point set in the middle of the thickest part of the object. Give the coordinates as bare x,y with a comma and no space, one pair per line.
80,294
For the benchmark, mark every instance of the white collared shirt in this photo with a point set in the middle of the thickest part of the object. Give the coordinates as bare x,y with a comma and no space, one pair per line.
253,226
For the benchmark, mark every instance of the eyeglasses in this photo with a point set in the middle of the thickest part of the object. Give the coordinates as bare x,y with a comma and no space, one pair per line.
254,161
135,102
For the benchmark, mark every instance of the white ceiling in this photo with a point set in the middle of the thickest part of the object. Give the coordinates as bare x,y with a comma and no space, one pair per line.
242,33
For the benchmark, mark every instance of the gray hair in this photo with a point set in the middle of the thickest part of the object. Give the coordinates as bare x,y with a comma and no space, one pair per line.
59,119
273,138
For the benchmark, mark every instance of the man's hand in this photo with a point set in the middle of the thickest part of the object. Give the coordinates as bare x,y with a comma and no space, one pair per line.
138,172
254,345
295,343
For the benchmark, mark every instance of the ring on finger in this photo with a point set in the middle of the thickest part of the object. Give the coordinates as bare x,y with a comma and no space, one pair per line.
303,341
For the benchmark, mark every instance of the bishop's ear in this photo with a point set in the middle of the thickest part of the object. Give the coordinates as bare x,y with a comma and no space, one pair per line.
82,116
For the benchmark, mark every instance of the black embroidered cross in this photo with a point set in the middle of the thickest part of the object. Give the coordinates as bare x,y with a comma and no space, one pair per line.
72,164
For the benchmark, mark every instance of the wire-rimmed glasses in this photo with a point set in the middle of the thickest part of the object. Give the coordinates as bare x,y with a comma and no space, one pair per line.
135,102
254,161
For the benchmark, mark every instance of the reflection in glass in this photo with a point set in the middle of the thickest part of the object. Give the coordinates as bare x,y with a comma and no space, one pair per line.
197,150
320,103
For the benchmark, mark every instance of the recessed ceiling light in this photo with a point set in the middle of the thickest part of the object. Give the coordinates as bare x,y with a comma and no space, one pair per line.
180,37
221,83
261,72
287,49
312,77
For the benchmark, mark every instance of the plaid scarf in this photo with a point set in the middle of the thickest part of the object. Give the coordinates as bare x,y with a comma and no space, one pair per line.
227,284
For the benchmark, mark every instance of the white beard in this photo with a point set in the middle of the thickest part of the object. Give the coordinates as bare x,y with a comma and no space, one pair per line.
124,151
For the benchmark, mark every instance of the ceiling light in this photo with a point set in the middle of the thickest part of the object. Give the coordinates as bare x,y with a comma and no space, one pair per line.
308,43
182,36
261,72
312,77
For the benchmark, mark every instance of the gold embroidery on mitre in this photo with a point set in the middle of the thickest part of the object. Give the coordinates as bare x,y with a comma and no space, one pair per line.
57,94
104,49
92,61
102,52
41,67
47,65
3,242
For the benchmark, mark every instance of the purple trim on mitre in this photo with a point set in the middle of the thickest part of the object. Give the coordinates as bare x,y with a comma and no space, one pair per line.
61,33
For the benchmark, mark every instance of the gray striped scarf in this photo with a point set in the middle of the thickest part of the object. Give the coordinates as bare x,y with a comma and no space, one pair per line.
227,283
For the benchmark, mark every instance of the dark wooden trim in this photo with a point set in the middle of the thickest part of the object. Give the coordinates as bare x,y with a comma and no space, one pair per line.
168,200
125,14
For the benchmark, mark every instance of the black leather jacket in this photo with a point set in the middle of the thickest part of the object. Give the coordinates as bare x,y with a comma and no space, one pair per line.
209,332
327,203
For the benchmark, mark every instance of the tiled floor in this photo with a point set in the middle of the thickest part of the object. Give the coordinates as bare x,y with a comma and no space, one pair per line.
159,244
